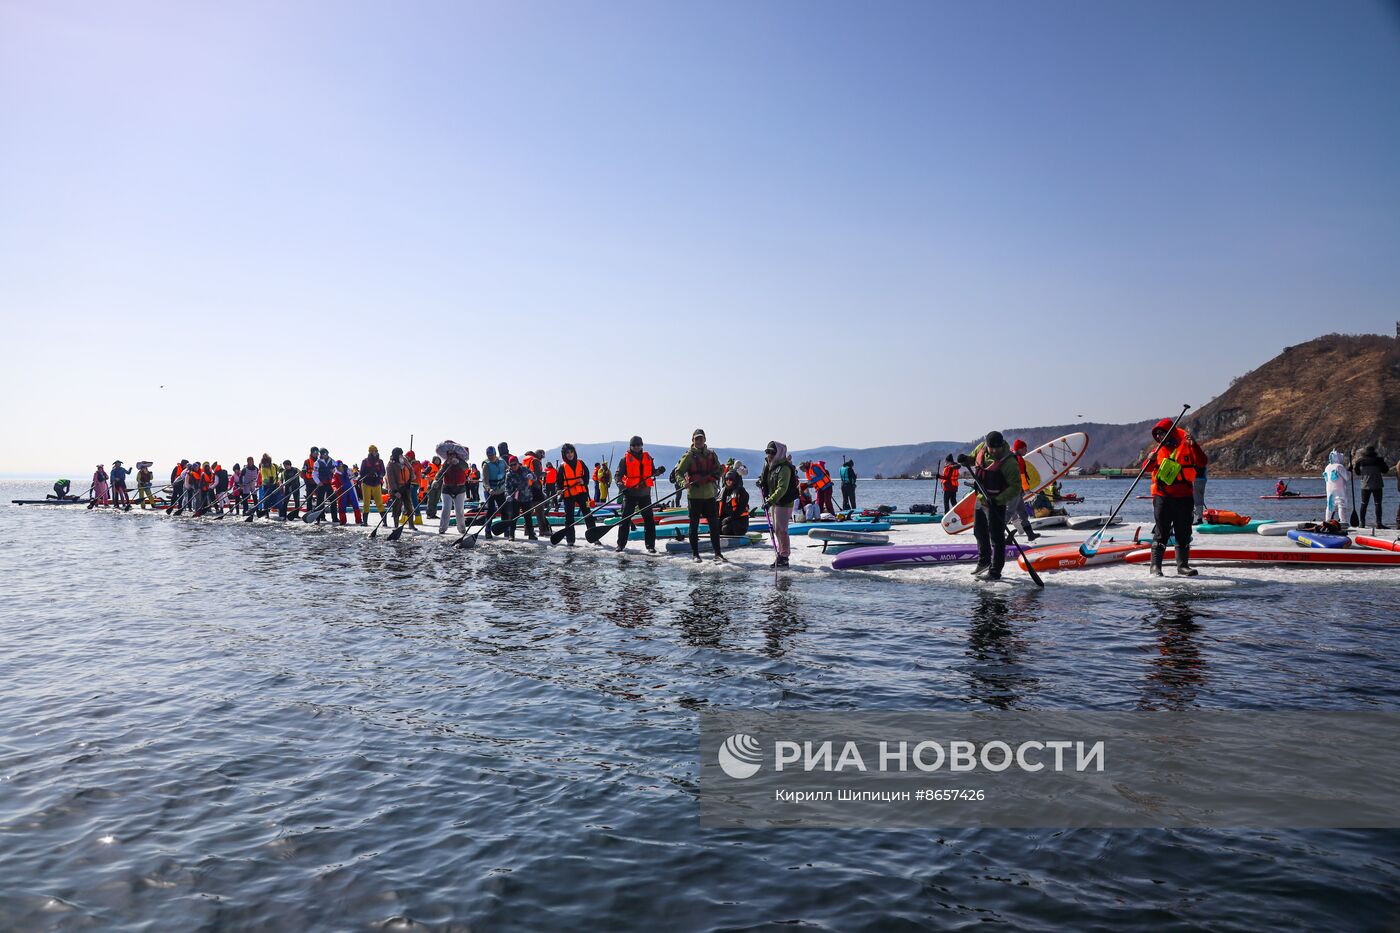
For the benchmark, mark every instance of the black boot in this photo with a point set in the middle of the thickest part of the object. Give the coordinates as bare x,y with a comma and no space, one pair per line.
1183,557
1158,552
981,569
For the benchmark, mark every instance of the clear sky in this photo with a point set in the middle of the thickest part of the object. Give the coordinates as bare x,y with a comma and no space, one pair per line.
849,223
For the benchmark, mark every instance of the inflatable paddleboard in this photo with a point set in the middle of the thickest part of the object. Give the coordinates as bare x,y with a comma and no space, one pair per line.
858,537
1044,465
1279,529
802,528
910,555
1286,498
1207,528
1335,556
1379,544
1067,556
1050,521
1090,521
726,543
1318,539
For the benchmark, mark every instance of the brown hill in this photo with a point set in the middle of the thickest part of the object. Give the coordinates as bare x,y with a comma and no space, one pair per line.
1275,418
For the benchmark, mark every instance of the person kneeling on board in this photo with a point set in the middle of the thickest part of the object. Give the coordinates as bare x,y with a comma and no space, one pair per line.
734,506
699,467
1173,496
1000,478
60,492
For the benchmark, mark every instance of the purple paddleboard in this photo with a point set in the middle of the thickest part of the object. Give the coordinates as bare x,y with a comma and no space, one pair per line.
911,555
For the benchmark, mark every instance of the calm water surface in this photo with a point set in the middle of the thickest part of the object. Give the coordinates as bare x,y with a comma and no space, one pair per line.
213,725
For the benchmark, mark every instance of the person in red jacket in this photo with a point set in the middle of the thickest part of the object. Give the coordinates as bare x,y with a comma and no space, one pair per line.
1173,469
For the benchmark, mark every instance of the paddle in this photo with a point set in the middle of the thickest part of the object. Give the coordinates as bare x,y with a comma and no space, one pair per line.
1355,519
315,516
563,533
1091,544
595,535
465,542
1011,536
253,510
501,526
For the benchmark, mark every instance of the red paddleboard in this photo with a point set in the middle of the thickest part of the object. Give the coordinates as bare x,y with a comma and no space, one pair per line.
1295,555
1067,556
1285,498
1379,544
1044,465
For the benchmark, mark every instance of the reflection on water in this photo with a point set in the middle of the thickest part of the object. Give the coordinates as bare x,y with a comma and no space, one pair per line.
260,727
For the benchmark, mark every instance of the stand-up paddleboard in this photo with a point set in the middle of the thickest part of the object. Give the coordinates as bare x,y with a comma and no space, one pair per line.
1067,557
849,537
911,555
1206,528
53,501
1378,544
1044,465
1278,529
908,518
802,528
1090,521
1050,521
1318,539
726,542
1286,498
1298,555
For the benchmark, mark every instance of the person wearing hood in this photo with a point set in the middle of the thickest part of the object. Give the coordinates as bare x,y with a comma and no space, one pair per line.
372,480
848,484
734,506
247,484
101,493
778,484
948,478
700,472
1173,498
520,498
636,474
1337,476
452,481
572,477
1371,467
999,476
432,475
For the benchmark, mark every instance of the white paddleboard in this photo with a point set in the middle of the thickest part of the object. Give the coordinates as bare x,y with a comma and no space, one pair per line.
1044,465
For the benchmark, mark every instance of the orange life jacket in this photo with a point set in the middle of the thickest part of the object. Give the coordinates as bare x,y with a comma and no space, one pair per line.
575,478
308,470
551,476
950,477
818,484
636,472
1184,457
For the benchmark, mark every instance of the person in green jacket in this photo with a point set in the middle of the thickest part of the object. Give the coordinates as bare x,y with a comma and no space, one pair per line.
778,483
699,472
999,477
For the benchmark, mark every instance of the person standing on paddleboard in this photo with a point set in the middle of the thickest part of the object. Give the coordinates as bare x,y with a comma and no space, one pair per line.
848,484
1018,507
572,477
399,476
1173,498
493,474
699,467
1198,487
291,490
1371,467
520,498
636,473
121,499
453,480
144,480
948,478
308,476
778,483
372,480
996,470
1338,479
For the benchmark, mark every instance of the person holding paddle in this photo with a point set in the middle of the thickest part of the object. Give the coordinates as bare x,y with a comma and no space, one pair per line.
399,475
778,483
999,484
699,467
1174,468
572,477
636,473
493,473
520,498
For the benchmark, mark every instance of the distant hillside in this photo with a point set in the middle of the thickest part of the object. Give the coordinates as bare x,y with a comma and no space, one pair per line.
888,461
1339,390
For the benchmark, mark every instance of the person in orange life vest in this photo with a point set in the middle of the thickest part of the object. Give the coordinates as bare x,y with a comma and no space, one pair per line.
948,479
398,477
636,474
734,506
700,471
1173,469
1017,509
572,477
473,483
432,489
551,478
1281,488
308,476
533,464
819,481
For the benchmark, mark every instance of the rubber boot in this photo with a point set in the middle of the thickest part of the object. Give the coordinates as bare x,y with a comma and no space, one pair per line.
1183,557
1159,551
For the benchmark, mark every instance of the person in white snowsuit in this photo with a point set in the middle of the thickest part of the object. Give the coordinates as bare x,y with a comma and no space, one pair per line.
1338,480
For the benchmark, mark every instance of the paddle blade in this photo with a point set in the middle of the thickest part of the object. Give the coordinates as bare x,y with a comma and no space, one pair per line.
466,542
560,535
594,535
310,517
397,533
1090,547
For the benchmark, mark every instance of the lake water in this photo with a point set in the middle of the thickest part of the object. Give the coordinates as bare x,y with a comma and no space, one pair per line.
217,725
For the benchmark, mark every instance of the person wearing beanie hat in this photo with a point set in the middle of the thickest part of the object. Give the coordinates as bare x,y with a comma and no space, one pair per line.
291,490
493,475
999,476
398,480
948,478
848,484
1173,473
636,474
1370,467
699,471
372,480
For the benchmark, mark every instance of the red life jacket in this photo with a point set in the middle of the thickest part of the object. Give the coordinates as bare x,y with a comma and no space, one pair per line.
636,472
575,479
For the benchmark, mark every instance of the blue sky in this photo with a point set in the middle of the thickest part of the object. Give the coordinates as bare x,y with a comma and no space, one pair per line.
828,223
